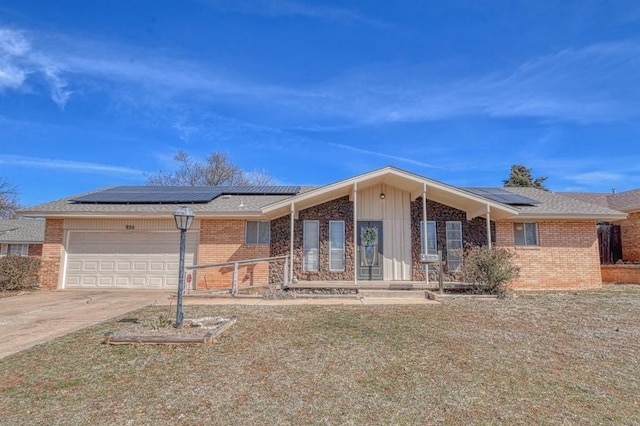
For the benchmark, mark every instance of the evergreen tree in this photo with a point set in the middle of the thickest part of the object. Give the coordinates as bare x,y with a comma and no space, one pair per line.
521,176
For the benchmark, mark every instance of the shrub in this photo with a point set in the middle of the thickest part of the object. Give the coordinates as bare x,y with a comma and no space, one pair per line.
18,273
489,270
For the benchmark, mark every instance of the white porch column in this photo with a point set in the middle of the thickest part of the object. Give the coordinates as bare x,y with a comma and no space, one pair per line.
424,244
488,215
291,242
355,232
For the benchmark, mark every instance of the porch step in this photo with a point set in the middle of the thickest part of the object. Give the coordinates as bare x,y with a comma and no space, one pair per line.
384,294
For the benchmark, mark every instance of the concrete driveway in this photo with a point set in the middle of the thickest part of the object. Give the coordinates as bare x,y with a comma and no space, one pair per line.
33,318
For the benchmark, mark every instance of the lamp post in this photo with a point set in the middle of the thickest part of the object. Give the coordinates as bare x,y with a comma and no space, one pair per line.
184,219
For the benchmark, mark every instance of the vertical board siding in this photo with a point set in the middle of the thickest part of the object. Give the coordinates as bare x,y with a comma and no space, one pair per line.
394,211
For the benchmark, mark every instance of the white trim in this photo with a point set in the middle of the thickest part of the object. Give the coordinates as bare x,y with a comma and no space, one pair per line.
316,247
342,250
488,226
450,257
259,223
524,234
355,232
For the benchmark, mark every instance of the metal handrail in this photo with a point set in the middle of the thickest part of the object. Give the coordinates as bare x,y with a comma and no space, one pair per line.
234,280
238,262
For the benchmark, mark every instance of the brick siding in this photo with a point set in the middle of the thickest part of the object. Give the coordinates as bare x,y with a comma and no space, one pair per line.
224,241
567,256
51,254
621,274
630,229
35,250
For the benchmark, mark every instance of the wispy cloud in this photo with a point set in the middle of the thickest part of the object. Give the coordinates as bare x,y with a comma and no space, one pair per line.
280,8
66,165
596,177
596,83
386,155
18,61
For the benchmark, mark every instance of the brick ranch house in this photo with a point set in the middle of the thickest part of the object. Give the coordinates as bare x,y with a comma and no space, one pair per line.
365,228
21,237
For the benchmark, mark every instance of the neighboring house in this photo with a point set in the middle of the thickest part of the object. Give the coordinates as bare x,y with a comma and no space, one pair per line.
368,227
628,202
21,237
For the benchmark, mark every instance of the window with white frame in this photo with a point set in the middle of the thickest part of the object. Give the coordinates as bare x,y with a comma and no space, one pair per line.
311,245
432,242
14,250
257,232
525,233
454,246
336,245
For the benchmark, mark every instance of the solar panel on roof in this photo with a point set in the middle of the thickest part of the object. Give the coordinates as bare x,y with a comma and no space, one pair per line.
503,196
151,195
178,194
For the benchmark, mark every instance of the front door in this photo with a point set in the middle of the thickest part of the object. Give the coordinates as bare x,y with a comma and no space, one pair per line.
369,250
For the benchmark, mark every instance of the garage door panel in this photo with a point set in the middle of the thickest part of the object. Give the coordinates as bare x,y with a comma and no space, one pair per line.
119,259
106,281
89,265
107,266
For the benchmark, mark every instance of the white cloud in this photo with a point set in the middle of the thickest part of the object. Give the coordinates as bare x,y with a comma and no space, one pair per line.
278,8
18,61
66,165
591,84
385,155
596,177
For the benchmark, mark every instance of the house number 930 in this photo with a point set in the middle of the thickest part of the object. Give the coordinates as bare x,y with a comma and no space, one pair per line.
130,227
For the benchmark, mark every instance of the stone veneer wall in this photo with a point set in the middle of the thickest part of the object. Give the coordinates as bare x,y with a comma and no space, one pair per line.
630,230
567,256
224,241
338,209
474,232
51,254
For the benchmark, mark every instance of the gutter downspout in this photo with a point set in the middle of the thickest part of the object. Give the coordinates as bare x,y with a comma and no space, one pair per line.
488,215
292,223
425,237
355,233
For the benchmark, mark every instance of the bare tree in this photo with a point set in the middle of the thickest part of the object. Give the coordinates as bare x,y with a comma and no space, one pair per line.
217,169
8,199
521,176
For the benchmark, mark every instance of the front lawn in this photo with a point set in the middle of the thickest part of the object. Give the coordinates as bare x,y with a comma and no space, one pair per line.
570,358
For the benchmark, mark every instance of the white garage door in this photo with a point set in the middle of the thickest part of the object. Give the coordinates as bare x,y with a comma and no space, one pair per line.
126,259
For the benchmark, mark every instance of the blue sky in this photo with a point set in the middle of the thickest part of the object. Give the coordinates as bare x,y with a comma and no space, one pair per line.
98,93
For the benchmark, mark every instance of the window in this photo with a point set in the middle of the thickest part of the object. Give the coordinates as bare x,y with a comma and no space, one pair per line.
336,245
432,244
311,245
257,232
526,234
15,250
454,246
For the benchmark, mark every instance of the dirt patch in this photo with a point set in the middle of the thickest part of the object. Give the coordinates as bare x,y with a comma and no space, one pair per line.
540,358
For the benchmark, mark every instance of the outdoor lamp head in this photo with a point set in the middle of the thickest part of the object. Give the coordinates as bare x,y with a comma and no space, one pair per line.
184,218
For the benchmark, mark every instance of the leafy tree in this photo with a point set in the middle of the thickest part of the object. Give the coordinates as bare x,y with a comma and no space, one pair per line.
521,176
8,199
217,169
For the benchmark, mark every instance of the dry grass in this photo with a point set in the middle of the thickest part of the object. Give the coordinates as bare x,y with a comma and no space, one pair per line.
554,358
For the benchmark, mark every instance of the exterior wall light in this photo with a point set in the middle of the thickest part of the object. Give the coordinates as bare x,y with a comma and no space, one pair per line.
382,195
